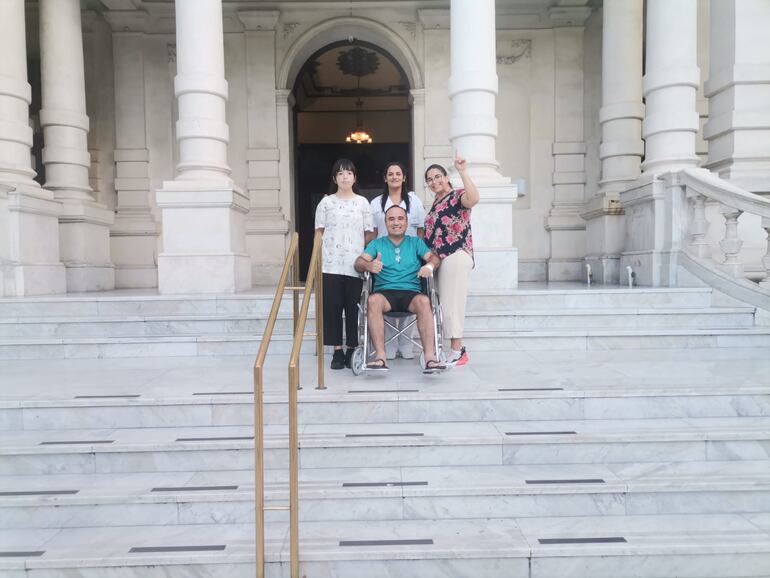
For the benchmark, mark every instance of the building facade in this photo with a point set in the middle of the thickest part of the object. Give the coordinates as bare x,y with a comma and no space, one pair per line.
176,145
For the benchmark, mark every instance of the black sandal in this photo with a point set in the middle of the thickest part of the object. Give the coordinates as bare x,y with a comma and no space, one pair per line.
433,366
377,365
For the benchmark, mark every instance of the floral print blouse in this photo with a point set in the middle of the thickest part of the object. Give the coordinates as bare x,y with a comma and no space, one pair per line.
448,226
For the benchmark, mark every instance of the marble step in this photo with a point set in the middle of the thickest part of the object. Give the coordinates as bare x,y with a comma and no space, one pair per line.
665,546
259,301
186,325
80,451
178,325
68,501
416,402
482,340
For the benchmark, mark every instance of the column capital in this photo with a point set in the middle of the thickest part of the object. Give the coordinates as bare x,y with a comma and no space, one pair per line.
259,20
417,96
127,20
284,97
434,19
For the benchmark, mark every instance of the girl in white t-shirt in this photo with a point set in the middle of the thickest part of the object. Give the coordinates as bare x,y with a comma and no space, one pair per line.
345,219
395,192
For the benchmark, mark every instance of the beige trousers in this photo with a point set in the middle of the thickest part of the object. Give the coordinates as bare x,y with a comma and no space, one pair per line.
453,291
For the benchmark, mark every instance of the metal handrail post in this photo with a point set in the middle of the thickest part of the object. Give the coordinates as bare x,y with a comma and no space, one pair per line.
319,311
293,471
259,440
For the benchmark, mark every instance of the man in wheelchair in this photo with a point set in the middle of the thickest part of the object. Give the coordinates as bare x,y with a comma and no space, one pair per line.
396,262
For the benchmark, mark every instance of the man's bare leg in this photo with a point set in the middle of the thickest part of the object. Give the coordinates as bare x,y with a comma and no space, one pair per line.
420,306
377,308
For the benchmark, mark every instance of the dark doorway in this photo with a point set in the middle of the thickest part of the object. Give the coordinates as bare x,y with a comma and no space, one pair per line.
343,88
314,163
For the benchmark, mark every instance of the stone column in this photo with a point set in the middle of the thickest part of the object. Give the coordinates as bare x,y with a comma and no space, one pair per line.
436,147
473,133
134,236
83,224
656,215
564,223
738,89
202,210
622,148
670,85
29,215
267,223
417,100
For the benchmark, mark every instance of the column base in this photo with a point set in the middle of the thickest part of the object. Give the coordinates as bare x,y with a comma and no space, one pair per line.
203,238
654,238
83,278
135,254
84,243
226,273
266,245
495,269
605,234
136,276
31,220
26,280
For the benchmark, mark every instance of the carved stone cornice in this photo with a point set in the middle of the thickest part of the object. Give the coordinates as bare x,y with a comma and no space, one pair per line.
127,20
434,19
259,20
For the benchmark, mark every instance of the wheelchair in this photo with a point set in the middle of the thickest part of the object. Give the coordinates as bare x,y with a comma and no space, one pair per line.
364,350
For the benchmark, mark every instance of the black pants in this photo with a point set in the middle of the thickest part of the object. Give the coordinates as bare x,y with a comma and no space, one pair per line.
341,293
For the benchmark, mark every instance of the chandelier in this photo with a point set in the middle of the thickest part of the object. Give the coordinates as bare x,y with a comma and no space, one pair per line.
359,136
358,62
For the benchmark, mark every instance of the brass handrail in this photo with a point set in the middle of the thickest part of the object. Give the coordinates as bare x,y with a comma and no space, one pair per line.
298,327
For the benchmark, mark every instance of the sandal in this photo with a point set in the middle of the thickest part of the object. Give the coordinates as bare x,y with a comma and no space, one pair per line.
377,365
433,366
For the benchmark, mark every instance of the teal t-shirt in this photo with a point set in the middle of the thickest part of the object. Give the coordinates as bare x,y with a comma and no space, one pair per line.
399,264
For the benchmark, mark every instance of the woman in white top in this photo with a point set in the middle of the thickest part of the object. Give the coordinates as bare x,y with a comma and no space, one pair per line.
345,219
395,192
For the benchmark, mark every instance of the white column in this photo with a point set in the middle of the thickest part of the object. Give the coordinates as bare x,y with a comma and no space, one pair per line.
670,84
564,223
417,100
656,214
473,133
267,223
738,89
134,236
473,86
203,212
29,225
84,224
621,149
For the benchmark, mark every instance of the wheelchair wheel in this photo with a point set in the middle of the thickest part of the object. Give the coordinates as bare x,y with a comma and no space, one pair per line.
357,362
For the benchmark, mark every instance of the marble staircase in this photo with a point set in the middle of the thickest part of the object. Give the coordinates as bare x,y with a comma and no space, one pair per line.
132,324
615,459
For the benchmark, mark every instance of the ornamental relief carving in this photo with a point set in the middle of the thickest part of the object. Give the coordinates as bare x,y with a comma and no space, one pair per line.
517,50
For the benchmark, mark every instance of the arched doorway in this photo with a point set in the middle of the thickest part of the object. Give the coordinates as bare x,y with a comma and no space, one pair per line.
342,88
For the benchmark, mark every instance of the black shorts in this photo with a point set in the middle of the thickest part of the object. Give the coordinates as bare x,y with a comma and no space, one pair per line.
399,299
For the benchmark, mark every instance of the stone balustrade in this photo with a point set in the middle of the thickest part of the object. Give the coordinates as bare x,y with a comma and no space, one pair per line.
703,186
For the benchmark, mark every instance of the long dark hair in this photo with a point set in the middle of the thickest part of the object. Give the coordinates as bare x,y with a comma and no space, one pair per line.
342,165
404,189
440,169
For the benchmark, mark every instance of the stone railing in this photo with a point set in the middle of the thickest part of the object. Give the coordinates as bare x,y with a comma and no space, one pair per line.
702,186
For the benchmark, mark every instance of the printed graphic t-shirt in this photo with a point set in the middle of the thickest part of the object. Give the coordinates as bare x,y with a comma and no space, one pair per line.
344,222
